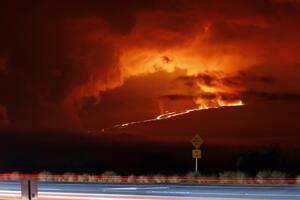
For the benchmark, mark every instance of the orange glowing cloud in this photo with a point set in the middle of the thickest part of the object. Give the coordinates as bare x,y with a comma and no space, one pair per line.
82,61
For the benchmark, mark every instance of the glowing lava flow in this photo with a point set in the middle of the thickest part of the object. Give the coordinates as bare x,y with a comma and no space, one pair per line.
174,114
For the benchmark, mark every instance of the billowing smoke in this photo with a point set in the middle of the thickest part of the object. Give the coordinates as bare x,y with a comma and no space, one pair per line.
76,65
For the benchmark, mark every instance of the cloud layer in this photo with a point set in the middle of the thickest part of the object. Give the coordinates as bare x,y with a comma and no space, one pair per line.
90,64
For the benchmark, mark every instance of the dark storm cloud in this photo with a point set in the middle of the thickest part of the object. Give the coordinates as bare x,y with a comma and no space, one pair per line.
208,96
272,96
228,97
228,32
50,56
205,78
263,21
41,70
176,97
243,78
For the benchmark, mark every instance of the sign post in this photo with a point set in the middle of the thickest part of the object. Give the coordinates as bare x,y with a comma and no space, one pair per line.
197,141
29,189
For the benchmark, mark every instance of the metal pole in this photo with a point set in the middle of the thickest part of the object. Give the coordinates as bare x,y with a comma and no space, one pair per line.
196,165
29,189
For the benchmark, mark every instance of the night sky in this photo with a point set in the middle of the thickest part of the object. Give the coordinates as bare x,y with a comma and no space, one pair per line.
83,82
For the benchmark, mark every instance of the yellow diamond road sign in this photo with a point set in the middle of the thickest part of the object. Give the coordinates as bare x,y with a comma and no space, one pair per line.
197,141
197,153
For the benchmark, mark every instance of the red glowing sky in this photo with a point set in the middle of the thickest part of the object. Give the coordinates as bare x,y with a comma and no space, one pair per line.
88,65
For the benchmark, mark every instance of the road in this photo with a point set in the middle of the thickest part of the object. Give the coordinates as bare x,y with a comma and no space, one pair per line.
51,190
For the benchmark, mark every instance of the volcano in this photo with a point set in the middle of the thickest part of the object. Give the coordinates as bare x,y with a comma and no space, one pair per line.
250,125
